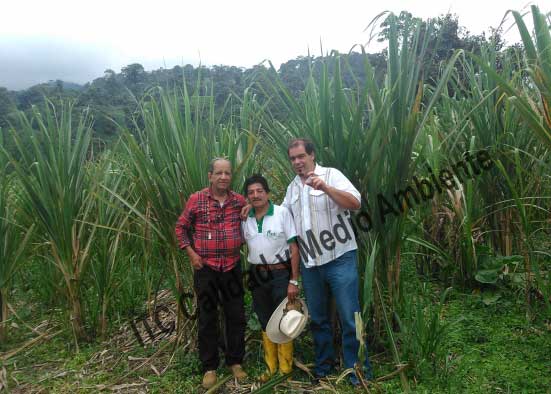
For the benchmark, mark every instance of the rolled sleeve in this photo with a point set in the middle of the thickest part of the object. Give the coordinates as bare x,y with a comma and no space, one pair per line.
185,222
341,182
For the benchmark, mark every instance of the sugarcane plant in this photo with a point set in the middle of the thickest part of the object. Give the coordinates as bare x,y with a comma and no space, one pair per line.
52,149
533,97
14,239
529,91
111,252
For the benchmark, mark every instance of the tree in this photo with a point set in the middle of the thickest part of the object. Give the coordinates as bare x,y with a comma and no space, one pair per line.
108,74
294,73
59,86
445,37
7,106
133,73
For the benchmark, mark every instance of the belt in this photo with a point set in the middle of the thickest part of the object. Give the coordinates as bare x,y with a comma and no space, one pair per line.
272,267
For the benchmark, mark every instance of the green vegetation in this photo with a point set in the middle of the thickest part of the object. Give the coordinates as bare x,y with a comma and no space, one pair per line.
456,292
488,348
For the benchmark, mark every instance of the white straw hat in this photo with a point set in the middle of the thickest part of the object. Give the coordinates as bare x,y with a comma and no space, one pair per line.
286,324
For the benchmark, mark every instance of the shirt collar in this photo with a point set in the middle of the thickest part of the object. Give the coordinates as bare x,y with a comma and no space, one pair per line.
208,191
269,212
319,170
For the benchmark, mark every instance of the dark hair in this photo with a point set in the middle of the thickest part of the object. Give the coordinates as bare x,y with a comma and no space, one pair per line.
211,164
256,178
308,145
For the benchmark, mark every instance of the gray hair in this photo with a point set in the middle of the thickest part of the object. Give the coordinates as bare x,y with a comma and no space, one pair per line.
211,164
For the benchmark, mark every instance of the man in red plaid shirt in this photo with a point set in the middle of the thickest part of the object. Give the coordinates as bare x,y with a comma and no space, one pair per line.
209,230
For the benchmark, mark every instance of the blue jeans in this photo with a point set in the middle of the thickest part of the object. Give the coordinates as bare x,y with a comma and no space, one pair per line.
339,276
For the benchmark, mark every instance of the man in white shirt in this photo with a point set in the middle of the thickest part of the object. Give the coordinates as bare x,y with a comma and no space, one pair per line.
320,199
269,231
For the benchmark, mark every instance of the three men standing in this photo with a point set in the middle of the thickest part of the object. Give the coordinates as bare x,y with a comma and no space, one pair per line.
319,199
209,229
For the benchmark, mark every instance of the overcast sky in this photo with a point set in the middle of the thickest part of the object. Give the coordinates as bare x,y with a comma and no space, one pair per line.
77,40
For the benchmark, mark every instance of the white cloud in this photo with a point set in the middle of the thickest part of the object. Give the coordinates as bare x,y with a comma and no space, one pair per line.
239,32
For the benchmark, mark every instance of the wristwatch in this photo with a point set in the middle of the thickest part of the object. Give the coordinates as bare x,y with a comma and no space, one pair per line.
293,282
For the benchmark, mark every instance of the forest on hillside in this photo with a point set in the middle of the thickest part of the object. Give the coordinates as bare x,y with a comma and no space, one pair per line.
114,97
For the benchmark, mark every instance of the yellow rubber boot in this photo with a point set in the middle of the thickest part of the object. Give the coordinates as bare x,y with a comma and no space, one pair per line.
270,356
285,357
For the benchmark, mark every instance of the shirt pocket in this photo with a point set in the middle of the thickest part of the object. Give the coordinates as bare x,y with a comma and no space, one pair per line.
202,217
248,234
320,201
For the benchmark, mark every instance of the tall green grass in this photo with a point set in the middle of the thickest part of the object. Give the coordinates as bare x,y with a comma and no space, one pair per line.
53,150
532,97
14,239
111,252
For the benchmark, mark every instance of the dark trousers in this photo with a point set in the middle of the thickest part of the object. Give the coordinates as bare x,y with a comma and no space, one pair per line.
215,288
268,289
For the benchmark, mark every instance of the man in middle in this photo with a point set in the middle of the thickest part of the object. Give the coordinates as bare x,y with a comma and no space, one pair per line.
274,257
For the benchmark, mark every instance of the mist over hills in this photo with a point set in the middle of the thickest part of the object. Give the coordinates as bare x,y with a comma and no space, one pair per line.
112,97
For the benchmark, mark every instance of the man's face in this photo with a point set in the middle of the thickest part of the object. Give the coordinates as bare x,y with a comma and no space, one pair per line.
258,197
220,177
301,161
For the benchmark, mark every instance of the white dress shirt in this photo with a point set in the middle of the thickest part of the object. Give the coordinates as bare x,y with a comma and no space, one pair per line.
324,229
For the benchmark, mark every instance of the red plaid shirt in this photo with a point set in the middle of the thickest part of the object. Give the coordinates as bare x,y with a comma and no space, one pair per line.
214,232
